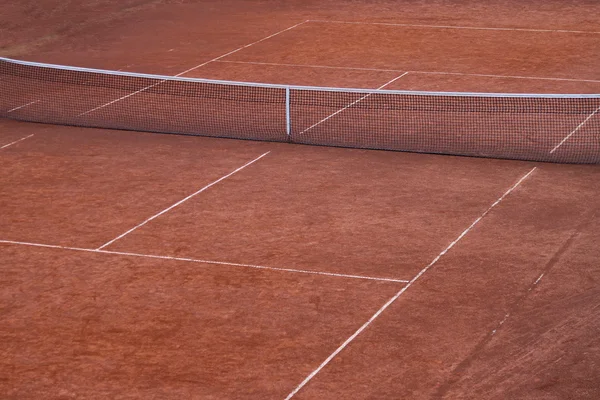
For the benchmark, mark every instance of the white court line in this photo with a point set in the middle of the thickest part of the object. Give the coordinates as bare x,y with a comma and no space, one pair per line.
508,313
538,279
17,141
412,71
480,28
198,261
544,78
182,201
350,105
405,288
193,68
500,324
120,98
310,66
244,47
23,106
574,131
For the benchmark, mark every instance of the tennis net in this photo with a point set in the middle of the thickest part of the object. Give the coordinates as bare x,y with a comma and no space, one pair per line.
551,128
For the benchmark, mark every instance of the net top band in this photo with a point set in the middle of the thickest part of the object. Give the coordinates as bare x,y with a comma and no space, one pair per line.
296,87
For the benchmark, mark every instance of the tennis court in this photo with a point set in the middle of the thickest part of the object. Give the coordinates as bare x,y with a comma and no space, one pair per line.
136,264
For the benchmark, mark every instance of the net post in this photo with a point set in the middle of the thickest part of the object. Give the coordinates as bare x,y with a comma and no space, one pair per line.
288,122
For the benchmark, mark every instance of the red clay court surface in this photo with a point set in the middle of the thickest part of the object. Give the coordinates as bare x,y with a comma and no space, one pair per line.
138,265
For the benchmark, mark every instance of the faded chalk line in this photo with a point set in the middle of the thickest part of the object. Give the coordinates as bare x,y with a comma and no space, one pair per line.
462,366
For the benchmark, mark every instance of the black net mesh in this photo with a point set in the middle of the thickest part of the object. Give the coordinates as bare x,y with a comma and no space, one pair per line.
91,99
527,128
538,128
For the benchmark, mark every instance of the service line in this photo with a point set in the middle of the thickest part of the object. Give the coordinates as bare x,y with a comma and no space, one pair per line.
199,261
544,78
478,28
